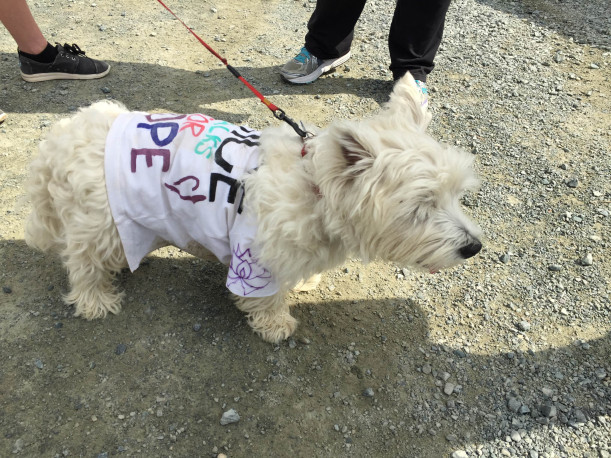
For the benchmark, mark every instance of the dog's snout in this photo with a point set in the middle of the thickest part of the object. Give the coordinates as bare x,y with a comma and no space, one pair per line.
470,250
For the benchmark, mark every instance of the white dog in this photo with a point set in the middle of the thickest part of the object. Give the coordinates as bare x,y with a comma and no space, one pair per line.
108,187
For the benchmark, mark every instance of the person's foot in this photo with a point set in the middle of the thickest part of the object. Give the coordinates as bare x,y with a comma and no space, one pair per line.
305,68
2,116
71,63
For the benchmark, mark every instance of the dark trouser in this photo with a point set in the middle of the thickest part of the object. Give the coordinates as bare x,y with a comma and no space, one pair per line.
415,32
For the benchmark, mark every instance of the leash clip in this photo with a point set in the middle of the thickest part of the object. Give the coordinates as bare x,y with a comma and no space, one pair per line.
281,115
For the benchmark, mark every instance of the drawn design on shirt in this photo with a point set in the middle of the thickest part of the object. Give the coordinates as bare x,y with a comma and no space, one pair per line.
164,128
246,273
249,138
204,146
197,123
194,197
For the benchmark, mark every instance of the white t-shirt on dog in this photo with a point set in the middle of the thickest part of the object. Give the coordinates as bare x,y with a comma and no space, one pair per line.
176,178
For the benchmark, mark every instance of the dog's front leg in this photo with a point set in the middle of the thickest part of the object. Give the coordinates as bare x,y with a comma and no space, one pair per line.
268,316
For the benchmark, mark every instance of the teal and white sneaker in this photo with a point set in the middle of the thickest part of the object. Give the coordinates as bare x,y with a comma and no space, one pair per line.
424,101
305,67
2,116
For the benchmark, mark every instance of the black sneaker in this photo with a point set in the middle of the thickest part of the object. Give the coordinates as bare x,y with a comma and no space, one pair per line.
70,64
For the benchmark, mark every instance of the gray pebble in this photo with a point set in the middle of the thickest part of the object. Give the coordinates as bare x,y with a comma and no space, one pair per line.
555,267
460,454
601,373
524,325
572,183
513,404
368,393
515,436
548,410
197,327
448,388
587,260
121,348
231,416
524,410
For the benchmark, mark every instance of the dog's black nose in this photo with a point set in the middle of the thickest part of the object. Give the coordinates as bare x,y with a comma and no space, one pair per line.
470,250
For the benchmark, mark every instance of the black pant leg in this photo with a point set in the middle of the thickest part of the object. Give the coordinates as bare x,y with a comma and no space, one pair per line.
415,35
331,27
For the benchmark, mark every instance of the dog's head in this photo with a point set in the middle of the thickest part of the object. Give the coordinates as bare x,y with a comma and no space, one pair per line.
392,191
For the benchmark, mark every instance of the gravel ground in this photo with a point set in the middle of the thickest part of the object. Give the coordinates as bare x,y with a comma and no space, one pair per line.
508,355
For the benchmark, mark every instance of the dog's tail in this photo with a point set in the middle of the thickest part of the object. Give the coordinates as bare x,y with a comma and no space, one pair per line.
43,227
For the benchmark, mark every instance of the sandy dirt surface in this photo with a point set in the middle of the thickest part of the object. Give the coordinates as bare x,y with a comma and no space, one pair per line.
385,362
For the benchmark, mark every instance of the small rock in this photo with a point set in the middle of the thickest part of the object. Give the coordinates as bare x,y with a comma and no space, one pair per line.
121,348
18,446
572,183
368,393
555,267
7,289
504,258
448,388
39,364
524,410
460,454
587,260
427,369
460,353
515,436
197,327
548,410
547,391
231,416
601,373
524,326
513,404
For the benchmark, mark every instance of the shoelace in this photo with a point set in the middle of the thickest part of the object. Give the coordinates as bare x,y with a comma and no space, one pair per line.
303,56
73,49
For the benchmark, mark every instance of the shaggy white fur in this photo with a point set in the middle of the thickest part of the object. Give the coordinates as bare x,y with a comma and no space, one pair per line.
381,188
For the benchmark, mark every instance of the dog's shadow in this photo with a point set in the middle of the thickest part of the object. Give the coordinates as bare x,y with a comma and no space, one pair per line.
180,338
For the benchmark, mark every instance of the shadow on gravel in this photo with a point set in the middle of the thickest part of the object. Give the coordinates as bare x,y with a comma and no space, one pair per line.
586,22
180,354
179,90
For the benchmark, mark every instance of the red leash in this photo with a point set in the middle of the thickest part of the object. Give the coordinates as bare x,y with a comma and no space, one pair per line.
278,113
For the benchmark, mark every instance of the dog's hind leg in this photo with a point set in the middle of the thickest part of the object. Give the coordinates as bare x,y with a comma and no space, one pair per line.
307,285
92,265
268,316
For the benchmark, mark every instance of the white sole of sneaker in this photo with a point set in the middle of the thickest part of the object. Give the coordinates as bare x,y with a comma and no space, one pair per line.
36,77
326,65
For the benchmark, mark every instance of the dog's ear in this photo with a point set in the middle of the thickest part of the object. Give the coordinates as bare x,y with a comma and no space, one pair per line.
406,100
357,154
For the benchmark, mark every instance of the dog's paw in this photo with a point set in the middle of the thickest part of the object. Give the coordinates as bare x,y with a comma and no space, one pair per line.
272,328
94,306
307,285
